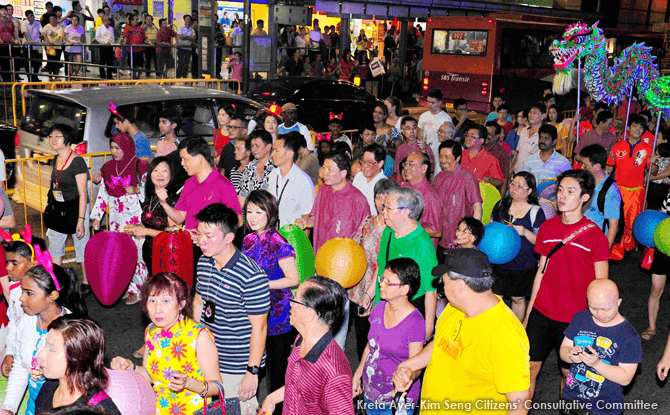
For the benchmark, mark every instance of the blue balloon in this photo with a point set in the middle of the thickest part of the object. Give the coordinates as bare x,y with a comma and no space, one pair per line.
644,226
501,243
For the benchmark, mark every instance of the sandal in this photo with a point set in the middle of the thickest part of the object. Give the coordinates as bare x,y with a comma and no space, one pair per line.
648,334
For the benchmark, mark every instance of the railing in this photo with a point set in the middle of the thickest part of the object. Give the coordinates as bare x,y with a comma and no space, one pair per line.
20,95
34,59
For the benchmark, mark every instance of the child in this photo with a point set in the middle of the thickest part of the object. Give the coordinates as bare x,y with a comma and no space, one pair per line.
603,349
124,120
20,257
124,178
468,235
317,67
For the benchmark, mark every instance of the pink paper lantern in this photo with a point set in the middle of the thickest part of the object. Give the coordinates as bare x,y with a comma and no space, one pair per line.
110,260
131,393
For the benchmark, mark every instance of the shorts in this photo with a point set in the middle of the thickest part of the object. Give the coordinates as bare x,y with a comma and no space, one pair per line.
57,240
544,334
513,283
661,263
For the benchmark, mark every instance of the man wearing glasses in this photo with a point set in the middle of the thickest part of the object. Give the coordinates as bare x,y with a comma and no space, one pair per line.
289,113
237,130
412,143
417,171
318,378
479,161
405,237
479,345
372,164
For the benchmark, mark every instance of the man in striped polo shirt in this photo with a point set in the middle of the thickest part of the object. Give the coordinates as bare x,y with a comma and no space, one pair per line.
233,300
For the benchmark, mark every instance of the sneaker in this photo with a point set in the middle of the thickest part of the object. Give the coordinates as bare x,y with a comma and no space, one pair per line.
133,299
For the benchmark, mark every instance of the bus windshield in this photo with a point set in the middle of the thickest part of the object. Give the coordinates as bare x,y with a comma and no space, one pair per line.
460,42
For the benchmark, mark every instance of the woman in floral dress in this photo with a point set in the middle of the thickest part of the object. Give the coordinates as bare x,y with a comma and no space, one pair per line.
276,256
124,178
181,360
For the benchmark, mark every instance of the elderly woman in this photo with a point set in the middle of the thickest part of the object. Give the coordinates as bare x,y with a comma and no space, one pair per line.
396,334
369,236
74,363
188,378
318,378
276,256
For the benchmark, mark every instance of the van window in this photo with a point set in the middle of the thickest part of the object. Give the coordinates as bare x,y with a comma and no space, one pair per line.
45,112
460,42
197,118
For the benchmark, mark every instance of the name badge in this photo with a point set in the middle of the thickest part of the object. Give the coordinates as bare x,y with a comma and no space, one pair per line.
58,195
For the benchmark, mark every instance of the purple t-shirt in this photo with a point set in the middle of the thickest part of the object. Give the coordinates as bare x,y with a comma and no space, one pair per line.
388,348
267,250
196,196
338,214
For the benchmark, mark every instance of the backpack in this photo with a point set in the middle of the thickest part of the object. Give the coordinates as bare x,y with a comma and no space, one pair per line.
601,206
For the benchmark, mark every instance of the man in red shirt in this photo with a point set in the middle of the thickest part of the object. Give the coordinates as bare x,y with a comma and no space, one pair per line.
573,252
479,161
7,35
318,377
134,35
631,159
164,37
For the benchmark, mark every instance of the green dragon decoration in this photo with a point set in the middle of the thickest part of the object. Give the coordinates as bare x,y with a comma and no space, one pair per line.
635,67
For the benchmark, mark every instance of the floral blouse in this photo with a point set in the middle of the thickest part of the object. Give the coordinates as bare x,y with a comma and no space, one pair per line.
267,250
250,180
369,237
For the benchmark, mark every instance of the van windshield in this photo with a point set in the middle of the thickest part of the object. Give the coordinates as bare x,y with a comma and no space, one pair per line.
45,112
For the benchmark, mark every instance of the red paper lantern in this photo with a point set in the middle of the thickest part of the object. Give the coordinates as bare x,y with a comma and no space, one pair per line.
110,259
173,252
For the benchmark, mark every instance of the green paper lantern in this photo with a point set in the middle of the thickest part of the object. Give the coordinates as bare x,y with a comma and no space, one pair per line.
304,253
662,236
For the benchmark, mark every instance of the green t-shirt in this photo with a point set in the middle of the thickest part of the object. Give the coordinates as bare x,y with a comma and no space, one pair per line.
417,246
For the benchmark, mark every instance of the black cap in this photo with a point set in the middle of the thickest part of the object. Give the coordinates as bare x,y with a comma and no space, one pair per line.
470,262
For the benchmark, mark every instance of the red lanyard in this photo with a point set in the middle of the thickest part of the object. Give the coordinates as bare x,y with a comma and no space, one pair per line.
61,169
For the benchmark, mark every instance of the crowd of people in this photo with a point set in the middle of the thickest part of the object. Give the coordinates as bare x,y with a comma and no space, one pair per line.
430,304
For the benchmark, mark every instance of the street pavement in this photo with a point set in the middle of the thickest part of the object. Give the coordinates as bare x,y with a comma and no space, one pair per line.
124,326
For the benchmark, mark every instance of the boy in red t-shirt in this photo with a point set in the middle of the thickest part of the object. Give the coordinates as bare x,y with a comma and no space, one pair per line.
559,289
631,159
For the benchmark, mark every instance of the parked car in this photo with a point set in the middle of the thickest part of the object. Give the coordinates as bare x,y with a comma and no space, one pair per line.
318,100
86,111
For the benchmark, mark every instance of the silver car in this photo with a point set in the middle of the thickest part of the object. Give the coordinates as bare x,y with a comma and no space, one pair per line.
87,112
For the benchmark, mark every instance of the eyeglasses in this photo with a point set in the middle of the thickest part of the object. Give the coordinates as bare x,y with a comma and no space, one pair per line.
384,207
369,163
298,302
383,280
55,136
234,127
413,164
518,186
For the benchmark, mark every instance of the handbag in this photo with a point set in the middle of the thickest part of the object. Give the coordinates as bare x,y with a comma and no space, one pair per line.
61,217
231,406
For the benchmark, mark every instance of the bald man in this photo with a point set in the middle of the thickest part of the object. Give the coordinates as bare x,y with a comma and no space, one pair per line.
603,349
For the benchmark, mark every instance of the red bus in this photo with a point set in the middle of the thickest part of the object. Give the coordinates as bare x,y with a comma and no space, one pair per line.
475,57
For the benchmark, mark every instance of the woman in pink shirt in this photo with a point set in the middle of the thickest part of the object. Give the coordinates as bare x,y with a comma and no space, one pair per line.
346,66
235,66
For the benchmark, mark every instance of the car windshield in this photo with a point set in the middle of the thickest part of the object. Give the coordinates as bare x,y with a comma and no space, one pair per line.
45,112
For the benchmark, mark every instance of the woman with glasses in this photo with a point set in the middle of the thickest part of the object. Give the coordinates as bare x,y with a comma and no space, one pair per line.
397,332
369,236
276,256
521,210
68,193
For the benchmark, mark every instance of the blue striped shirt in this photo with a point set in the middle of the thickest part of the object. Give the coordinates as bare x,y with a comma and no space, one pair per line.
239,289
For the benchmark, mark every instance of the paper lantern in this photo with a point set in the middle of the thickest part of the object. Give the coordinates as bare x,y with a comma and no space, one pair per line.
501,243
131,393
490,196
110,259
304,253
173,252
342,260
645,224
662,236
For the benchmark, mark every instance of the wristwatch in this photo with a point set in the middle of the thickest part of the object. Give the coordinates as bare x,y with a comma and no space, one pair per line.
253,369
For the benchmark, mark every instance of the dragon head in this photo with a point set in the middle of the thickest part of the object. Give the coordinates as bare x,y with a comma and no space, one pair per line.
579,40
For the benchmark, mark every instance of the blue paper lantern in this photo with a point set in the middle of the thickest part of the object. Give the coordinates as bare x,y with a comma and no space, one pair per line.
644,226
501,243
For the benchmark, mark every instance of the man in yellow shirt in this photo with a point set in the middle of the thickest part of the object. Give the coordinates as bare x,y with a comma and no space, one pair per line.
478,362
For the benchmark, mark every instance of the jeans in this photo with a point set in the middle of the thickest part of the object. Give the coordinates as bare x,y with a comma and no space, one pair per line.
150,55
184,58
